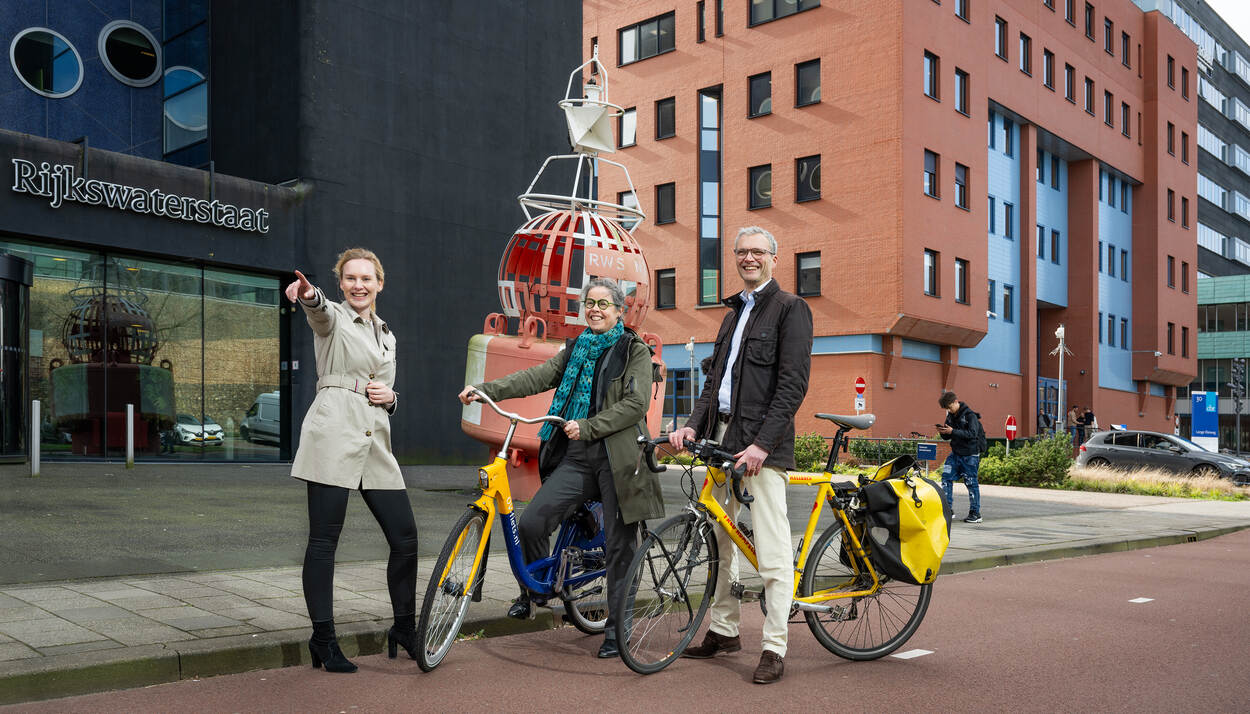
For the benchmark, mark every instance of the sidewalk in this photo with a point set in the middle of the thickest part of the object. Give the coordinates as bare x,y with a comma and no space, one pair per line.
72,637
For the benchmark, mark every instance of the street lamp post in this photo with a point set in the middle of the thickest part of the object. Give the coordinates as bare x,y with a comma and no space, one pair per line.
1061,350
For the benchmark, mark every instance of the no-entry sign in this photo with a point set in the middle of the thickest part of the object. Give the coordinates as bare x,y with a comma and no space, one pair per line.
860,386
1011,427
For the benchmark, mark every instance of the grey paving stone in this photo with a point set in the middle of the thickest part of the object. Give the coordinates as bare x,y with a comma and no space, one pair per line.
188,618
225,631
352,616
8,602
17,614
218,603
293,604
100,612
37,595
143,601
276,620
71,604
140,631
251,589
16,650
79,647
110,590
48,632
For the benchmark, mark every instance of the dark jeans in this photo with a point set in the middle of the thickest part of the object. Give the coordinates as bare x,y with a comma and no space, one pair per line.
327,505
583,475
965,467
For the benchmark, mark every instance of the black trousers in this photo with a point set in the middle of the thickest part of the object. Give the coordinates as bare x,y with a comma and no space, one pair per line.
583,475
327,506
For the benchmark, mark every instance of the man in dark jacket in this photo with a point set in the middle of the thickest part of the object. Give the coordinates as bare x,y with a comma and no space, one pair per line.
758,378
963,429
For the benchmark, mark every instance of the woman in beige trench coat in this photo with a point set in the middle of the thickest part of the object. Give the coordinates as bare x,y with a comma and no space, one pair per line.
345,443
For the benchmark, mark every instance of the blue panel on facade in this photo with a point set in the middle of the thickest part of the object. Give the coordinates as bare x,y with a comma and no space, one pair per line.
1115,292
1157,390
845,344
927,351
1052,216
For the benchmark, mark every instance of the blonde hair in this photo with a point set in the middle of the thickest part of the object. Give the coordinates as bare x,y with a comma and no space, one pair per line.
360,254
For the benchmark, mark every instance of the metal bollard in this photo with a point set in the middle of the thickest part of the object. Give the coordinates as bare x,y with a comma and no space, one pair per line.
35,423
130,436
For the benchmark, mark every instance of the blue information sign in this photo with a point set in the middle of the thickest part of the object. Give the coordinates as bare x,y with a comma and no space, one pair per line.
926,452
1206,418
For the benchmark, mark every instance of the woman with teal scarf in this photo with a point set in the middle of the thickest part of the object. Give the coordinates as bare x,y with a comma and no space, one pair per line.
603,388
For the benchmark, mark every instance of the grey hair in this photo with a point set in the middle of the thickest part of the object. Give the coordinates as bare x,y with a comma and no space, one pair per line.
613,288
756,230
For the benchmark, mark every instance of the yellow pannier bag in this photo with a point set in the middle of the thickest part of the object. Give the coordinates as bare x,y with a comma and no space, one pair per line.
907,523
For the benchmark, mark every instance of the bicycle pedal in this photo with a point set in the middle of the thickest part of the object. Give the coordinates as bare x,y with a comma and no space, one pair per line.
842,613
739,591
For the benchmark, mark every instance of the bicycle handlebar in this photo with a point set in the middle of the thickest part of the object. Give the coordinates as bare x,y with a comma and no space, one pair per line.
709,454
512,416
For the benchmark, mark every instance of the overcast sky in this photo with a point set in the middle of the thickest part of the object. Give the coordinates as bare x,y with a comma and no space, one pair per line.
1236,13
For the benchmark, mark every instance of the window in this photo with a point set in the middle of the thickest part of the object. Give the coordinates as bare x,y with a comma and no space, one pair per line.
1123,196
1108,101
807,178
993,297
627,198
1124,265
1069,83
1184,341
761,94
1054,246
961,186
769,10
761,178
1069,11
1171,272
1108,36
665,118
1184,147
1184,212
992,127
961,9
1110,330
1041,241
1048,69
1124,332
720,18
1100,327
1111,191
993,217
931,174
702,31
807,268
1171,138
46,62
1185,83
1171,337
665,288
646,39
1009,303
1049,4
961,91
1040,169
1124,46
1054,172
129,52
1026,54
1000,38
931,75
930,272
1184,277
1100,256
1171,73
666,203
1089,96
961,281
807,83
1171,205
1009,135
1124,119
1111,260
627,125
1089,21
1009,221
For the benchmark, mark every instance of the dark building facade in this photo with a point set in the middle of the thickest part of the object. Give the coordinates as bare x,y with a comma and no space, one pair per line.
196,152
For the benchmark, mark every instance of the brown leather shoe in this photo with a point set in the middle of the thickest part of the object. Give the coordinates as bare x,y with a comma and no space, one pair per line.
713,643
771,668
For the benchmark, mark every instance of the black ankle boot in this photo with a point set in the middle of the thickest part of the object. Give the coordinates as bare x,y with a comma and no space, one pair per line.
403,638
520,609
330,655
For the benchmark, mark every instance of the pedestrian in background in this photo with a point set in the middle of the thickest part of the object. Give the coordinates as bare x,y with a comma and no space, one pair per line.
963,429
345,444
1089,424
1073,423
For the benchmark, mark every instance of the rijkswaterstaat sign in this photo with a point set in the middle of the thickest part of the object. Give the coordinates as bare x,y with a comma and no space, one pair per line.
60,185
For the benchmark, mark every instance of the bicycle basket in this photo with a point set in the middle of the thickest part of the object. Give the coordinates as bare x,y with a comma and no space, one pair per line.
908,524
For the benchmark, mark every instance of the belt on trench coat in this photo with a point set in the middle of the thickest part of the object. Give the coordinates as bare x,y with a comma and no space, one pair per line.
351,384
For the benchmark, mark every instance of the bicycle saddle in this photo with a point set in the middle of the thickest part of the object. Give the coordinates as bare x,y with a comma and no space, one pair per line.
859,421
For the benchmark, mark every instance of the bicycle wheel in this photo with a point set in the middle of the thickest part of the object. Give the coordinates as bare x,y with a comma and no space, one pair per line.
446,597
667,591
861,628
586,606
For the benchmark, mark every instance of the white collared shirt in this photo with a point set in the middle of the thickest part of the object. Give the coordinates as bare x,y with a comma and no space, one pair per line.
725,396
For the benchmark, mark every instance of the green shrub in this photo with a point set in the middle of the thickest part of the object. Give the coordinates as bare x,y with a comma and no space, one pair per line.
879,451
1040,463
810,452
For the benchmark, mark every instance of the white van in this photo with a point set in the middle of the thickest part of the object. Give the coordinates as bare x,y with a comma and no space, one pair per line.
263,421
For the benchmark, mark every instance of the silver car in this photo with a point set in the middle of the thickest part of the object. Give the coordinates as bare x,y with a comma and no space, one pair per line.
1130,449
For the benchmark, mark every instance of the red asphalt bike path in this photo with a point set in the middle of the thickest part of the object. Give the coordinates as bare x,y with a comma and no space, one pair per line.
1054,636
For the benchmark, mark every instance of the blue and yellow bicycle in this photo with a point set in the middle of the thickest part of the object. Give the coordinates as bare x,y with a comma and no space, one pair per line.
573,572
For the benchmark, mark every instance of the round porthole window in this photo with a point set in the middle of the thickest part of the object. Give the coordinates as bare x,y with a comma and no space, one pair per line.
46,62
130,53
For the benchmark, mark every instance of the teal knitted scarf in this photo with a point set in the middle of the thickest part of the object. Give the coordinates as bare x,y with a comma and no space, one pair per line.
579,376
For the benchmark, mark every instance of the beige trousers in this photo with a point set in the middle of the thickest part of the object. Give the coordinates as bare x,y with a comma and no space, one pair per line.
773,552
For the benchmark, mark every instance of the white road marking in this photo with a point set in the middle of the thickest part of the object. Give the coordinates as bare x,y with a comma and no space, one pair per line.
1142,599
909,654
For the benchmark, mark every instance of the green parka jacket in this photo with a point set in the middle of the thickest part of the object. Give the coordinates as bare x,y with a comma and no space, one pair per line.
620,399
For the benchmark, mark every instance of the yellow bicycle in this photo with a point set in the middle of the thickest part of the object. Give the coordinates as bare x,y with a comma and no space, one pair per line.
854,610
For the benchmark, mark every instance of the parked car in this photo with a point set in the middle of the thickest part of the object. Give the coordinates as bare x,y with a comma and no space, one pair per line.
189,430
263,421
1129,449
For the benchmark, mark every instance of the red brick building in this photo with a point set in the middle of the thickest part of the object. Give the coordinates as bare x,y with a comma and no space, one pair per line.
948,182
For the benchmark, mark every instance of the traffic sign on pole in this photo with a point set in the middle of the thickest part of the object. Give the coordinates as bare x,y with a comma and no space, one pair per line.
1011,431
860,386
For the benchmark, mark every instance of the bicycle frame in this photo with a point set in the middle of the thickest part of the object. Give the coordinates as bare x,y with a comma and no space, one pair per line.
708,504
